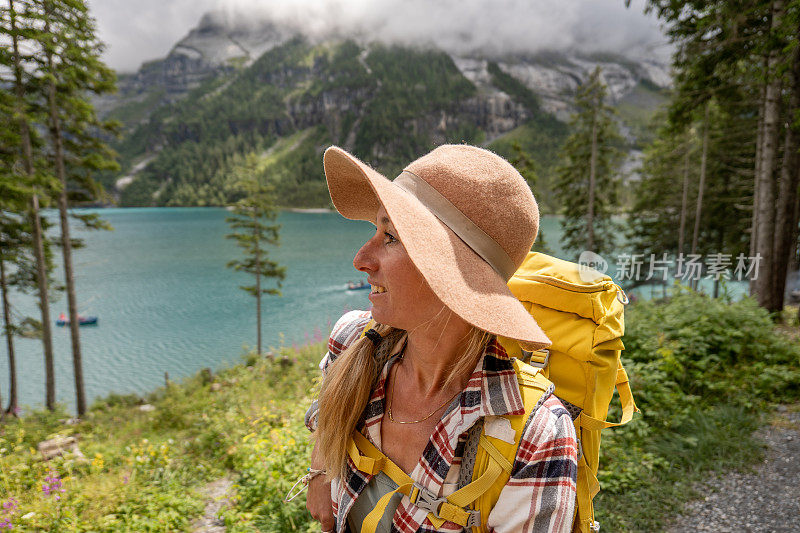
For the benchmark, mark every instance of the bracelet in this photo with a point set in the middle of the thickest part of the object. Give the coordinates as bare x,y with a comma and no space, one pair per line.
312,473
303,482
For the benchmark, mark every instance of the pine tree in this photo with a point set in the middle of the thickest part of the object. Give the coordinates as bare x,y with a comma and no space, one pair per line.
587,179
22,27
664,216
72,67
724,48
14,238
253,231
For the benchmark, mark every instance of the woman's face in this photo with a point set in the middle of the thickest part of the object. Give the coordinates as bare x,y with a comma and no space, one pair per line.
400,296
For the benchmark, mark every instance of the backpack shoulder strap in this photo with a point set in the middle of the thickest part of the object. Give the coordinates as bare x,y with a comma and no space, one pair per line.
493,451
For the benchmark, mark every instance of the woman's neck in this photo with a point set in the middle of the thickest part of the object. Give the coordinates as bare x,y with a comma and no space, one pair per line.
432,350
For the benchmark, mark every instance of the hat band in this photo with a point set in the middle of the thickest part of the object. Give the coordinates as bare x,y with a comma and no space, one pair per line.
469,232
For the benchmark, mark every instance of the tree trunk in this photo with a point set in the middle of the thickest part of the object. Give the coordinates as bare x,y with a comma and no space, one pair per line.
12,359
765,181
44,306
794,262
701,186
757,173
787,193
66,243
38,237
592,181
684,196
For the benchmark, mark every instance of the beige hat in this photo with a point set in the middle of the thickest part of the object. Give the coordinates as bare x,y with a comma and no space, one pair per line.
467,219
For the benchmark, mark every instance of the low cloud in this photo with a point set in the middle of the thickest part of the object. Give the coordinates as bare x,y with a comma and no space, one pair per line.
149,28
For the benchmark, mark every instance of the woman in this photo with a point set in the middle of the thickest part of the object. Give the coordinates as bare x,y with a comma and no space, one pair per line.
429,372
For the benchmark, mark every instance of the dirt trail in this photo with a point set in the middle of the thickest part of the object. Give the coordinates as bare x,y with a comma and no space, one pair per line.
766,500
217,493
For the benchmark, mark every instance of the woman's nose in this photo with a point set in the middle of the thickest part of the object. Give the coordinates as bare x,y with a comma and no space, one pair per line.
365,258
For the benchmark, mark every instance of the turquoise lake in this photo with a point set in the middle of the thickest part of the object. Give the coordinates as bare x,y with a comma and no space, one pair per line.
167,303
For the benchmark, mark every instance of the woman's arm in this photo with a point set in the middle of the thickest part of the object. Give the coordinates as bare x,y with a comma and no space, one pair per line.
540,496
318,499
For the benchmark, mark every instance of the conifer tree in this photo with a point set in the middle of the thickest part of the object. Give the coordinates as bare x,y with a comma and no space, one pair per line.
663,218
72,67
20,25
586,179
253,231
14,197
724,48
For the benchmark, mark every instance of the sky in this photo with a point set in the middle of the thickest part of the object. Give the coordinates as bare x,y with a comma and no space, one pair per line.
139,31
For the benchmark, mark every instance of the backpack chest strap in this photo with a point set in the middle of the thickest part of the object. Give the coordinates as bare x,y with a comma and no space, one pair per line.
370,460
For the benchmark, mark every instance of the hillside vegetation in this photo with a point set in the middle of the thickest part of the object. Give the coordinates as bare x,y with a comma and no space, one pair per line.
704,372
380,102
386,104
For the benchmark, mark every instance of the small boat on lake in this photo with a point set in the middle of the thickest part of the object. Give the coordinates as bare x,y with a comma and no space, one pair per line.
63,320
358,285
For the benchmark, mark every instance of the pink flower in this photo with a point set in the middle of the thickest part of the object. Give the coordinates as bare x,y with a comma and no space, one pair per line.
10,505
53,485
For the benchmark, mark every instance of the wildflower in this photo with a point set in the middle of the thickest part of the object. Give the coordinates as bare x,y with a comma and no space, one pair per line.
52,485
10,505
125,479
6,523
98,462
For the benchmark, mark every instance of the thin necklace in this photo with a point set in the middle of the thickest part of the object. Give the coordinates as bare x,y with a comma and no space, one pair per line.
391,399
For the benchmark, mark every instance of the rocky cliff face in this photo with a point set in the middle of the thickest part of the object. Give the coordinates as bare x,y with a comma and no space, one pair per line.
265,82
219,45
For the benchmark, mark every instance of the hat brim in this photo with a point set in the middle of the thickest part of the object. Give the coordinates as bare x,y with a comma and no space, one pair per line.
459,277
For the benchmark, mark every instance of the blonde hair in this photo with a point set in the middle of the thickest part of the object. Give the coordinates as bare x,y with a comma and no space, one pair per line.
347,388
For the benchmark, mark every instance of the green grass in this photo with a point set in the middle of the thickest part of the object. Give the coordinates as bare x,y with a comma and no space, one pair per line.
143,470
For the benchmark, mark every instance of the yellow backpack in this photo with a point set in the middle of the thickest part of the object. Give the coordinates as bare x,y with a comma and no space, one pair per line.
584,320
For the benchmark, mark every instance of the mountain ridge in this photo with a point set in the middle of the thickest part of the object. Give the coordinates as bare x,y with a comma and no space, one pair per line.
469,99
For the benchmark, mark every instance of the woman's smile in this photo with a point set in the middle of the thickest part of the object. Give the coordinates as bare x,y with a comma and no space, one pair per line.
377,293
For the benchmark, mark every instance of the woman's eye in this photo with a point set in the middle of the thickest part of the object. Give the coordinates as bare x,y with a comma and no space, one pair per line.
388,237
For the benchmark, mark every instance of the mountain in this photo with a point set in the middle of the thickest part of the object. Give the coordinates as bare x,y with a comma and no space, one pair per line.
232,88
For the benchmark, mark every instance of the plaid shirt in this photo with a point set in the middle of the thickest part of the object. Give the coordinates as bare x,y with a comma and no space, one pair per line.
539,496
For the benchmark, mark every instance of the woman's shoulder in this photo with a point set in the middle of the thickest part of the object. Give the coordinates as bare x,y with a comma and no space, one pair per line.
347,329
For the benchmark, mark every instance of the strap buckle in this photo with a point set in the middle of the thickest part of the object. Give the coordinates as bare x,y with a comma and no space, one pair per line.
537,364
426,499
474,519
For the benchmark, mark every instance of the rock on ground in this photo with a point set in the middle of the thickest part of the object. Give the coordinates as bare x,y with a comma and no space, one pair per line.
217,493
764,501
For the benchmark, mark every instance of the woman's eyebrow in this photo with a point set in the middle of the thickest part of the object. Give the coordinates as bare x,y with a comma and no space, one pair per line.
385,221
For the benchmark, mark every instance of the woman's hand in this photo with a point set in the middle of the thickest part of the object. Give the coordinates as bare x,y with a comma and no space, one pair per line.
318,497
318,502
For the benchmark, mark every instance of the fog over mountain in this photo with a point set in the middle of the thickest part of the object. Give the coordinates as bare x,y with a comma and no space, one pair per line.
147,29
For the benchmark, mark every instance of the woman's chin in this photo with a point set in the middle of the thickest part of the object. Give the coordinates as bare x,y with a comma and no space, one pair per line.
382,316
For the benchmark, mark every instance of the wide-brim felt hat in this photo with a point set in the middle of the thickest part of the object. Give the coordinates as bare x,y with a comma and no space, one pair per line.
467,220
